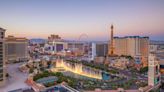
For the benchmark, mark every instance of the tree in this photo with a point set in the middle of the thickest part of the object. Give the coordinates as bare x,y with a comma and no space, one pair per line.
31,70
144,69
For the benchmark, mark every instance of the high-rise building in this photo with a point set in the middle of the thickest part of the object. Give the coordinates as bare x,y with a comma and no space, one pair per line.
16,49
154,76
92,51
99,50
153,72
120,45
2,57
55,44
78,47
135,46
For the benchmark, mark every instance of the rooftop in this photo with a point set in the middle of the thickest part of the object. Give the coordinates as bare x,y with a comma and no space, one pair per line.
22,90
12,38
2,29
47,79
131,37
59,88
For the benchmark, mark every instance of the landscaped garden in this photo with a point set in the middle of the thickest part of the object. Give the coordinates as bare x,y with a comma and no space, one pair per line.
82,83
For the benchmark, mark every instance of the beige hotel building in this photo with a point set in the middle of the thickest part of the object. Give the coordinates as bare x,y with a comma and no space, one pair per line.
16,49
135,46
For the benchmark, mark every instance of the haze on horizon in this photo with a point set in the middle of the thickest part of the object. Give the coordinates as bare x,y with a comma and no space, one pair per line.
71,18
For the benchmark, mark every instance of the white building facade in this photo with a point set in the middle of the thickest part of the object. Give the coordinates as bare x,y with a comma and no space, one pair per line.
153,72
55,44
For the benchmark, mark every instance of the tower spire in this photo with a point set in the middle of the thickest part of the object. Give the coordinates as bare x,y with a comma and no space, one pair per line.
110,46
111,52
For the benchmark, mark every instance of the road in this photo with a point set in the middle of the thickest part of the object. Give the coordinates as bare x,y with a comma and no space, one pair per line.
16,79
129,75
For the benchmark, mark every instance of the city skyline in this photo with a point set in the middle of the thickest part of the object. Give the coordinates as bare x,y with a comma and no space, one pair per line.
70,19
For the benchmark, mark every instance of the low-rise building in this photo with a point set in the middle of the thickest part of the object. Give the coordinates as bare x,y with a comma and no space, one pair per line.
60,88
120,63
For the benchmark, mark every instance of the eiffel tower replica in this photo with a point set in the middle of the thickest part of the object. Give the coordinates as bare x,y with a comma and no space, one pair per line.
110,53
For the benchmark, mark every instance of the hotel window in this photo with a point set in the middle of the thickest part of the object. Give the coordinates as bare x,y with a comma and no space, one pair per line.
1,75
1,65
2,35
1,52
53,48
1,70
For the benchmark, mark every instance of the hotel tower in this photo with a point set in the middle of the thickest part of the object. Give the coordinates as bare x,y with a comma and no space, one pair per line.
2,61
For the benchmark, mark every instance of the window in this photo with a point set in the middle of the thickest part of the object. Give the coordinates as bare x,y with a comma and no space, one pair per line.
1,79
2,35
1,70
1,65
1,75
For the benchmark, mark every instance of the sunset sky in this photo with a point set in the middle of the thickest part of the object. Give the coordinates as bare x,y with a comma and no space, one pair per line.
71,18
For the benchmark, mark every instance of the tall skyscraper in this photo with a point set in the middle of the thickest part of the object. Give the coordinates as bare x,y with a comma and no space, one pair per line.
2,57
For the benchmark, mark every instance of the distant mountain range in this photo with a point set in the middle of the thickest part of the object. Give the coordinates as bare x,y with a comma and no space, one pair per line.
157,42
38,40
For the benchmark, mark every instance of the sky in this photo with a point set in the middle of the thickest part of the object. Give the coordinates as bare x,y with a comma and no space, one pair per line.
84,19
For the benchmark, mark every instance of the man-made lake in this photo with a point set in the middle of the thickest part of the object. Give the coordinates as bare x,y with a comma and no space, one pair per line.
83,70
